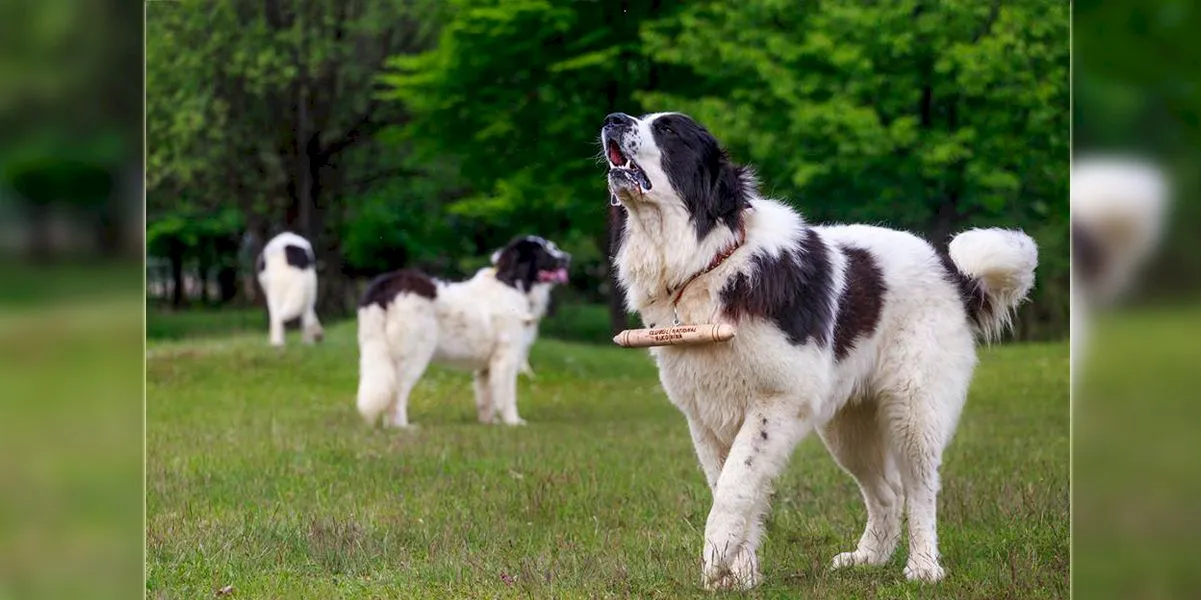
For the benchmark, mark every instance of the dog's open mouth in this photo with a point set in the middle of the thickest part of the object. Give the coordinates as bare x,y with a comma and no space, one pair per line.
554,276
623,171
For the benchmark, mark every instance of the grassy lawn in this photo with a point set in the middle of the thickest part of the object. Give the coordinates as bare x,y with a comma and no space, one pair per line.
572,321
1137,457
261,476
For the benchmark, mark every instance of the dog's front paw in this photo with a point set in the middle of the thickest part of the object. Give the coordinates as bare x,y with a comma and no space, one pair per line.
740,575
517,422
732,581
924,570
856,558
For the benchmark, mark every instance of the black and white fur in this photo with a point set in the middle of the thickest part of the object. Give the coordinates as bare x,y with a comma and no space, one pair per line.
407,319
288,276
864,334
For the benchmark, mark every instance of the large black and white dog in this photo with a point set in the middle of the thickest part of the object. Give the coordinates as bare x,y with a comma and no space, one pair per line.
407,320
866,335
288,275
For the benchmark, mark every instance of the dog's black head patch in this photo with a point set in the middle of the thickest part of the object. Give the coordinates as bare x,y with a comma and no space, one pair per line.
530,259
713,188
385,288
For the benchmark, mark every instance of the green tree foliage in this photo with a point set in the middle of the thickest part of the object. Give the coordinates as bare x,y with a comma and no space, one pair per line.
428,133
270,107
516,90
925,116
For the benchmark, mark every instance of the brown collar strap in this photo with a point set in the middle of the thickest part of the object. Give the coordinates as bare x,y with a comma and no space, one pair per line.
717,260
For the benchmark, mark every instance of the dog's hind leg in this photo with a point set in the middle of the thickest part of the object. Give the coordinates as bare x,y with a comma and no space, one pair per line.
408,372
413,332
855,437
483,397
311,327
276,330
920,420
275,318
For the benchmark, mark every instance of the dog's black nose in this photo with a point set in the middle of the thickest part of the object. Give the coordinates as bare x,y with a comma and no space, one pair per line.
617,119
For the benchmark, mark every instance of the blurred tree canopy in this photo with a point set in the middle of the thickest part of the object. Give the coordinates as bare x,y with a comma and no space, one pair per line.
1137,93
63,159
481,120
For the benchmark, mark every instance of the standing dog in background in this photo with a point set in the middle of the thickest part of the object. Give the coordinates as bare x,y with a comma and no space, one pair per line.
864,334
408,319
288,275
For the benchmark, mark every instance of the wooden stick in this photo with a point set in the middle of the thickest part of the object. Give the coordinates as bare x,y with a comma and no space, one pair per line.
680,335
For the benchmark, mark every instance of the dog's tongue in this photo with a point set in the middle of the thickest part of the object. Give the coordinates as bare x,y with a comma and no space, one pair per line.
556,276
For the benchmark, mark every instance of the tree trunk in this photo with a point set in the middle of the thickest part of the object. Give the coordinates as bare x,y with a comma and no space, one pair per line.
202,274
227,284
335,291
40,247
175,255
304,184
303,167
618,319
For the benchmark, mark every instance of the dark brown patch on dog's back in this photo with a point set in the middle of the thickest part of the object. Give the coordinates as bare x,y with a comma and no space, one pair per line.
862,300
384,288
793,290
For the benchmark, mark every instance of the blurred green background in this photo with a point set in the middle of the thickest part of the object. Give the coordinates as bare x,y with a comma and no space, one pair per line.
1136,92
426,133
1136,478
71,299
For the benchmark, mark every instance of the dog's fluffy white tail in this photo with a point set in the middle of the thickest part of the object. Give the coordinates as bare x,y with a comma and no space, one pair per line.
997,271
377,370
1119,208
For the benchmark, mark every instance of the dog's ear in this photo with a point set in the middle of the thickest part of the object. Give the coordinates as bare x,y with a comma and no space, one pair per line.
721,196
731,189
504,260
515,266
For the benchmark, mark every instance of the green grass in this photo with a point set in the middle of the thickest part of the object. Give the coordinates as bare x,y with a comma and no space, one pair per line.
164,324
1137,457
260,475
32,286
572,321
